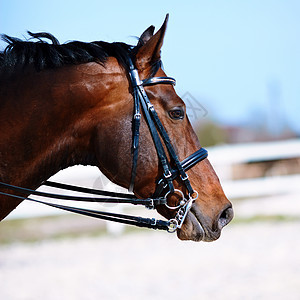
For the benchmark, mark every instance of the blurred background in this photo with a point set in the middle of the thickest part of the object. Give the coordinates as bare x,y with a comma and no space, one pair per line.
237,67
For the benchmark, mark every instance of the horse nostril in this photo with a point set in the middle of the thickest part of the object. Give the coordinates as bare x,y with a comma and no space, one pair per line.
225,217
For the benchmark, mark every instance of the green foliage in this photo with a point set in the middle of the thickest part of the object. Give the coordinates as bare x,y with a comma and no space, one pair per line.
211,134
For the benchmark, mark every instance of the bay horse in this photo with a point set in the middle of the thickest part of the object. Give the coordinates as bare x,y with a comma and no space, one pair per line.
68,104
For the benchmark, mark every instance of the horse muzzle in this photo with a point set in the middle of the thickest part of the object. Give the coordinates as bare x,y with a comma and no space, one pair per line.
200,227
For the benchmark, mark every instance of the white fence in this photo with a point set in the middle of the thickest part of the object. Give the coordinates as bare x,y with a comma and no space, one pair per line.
223,158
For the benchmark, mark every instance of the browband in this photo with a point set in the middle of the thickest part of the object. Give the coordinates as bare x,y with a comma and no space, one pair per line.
159,80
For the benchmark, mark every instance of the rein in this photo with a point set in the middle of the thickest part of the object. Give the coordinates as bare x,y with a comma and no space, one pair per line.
164,186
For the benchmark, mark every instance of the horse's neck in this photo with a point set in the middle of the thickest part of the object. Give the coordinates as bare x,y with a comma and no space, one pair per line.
48,120
40,132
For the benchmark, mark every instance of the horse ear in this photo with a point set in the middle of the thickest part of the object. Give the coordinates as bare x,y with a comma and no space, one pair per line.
146,35
149,51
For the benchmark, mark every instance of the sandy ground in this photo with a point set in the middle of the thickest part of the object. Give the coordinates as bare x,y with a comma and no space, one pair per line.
258,260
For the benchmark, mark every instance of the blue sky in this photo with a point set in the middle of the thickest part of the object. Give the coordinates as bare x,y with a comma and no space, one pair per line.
230,55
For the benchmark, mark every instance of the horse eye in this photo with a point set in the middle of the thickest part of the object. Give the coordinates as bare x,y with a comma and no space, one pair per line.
176,114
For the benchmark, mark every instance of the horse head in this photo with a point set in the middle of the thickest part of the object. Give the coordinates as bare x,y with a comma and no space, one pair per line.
211,211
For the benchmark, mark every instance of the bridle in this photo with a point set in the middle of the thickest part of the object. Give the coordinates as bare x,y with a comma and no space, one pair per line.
156,128
164,186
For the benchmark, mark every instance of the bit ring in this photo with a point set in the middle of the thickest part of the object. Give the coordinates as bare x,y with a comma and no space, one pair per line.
173,225
174,207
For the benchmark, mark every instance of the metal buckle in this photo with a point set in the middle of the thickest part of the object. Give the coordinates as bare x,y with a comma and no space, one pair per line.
185,178
151,205
150,106
168,175
162,181
137,116
153,221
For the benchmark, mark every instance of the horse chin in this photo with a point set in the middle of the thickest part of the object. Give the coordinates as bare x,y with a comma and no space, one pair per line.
192,229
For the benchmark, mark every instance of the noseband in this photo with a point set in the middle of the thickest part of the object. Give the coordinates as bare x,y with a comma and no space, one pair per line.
164,186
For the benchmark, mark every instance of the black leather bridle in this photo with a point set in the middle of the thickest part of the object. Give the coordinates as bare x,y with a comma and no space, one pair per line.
165,184
164,187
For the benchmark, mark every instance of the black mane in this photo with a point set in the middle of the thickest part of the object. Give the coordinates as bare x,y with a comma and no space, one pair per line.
44,55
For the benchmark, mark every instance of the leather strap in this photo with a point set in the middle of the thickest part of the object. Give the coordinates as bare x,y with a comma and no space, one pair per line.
120,218
136,122
187,164
158,80
128,200
171,150
156,139
141,97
